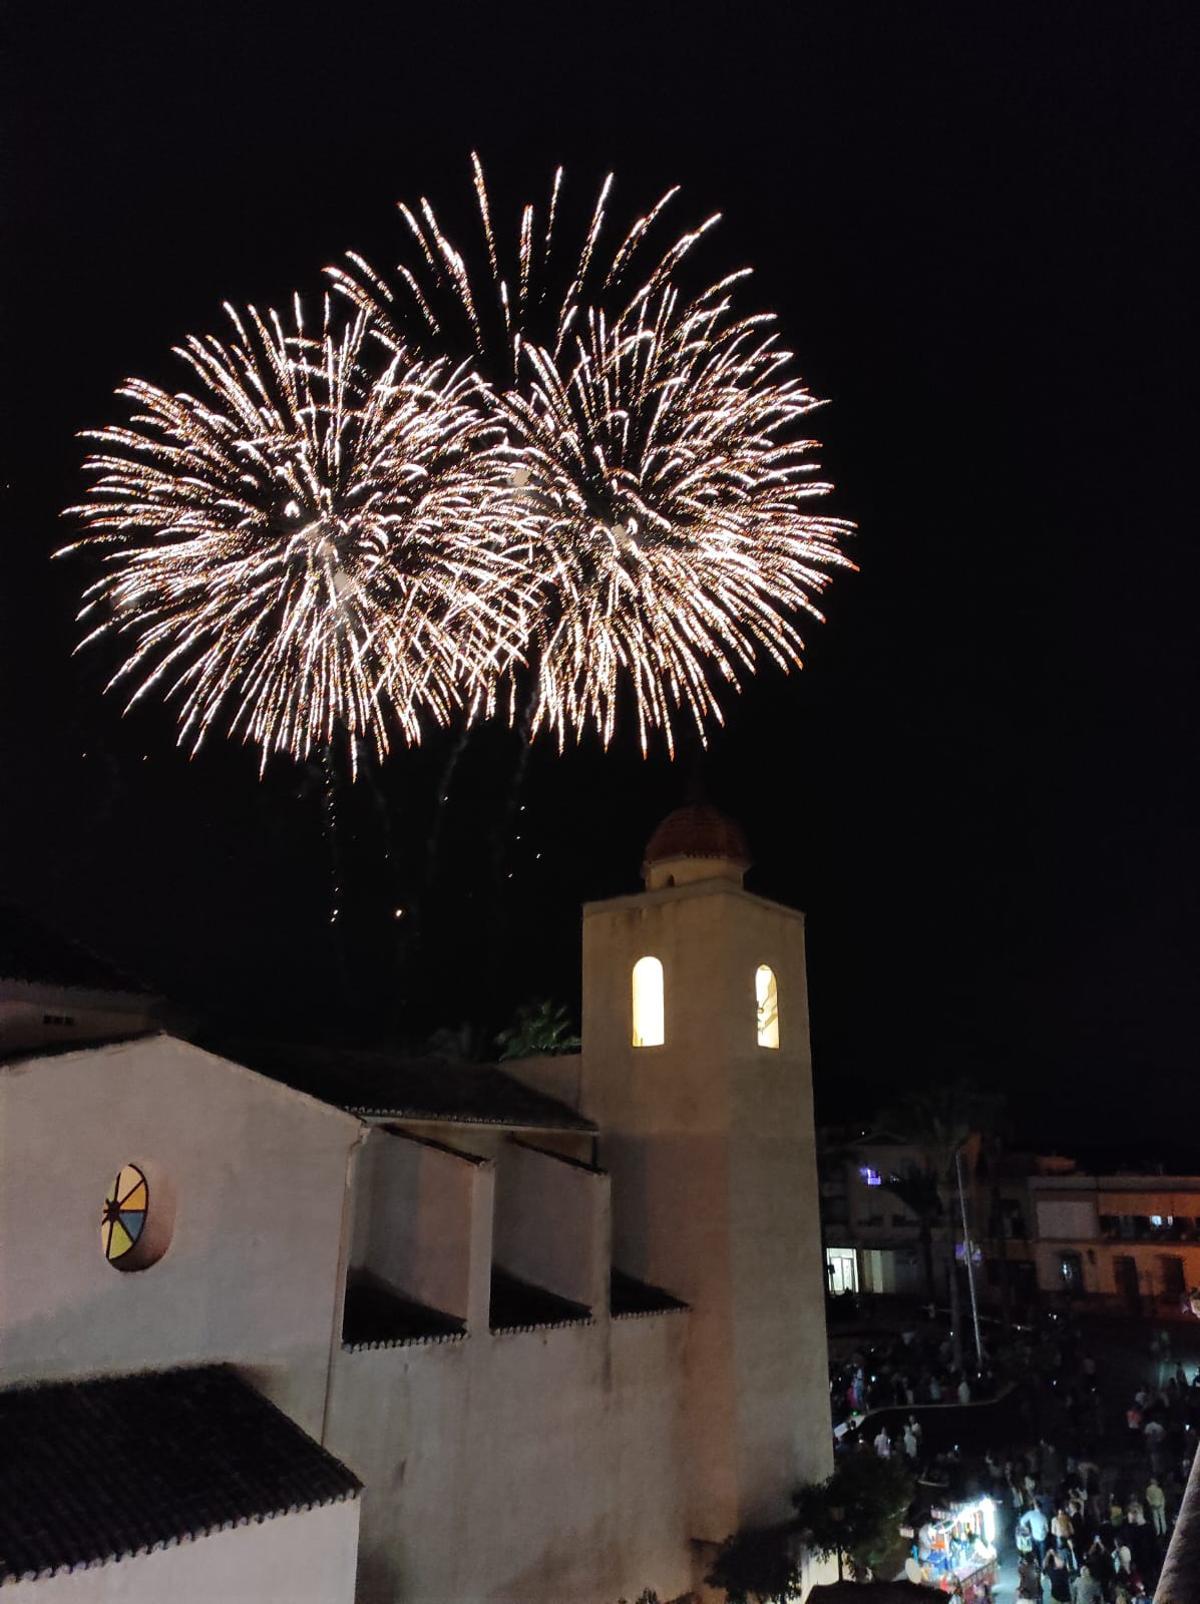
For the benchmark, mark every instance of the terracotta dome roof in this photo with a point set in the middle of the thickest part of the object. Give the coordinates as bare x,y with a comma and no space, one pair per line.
698,831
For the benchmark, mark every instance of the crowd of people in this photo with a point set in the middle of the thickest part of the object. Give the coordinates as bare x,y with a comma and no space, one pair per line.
1091,1522
898,1372
1095,1475
1088,1530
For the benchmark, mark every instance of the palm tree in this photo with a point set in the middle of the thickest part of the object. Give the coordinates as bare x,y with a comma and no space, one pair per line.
918,1190
994,1137
939,1122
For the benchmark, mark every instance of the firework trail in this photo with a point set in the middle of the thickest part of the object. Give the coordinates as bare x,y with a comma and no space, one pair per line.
316,545
658,452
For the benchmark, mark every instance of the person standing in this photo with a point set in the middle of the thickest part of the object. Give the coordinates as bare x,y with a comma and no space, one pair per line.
1059,1578
1037,1526
1153,1433
1156,1503
1062,1527
1029,1580
910,1443
1087,1589
883,1444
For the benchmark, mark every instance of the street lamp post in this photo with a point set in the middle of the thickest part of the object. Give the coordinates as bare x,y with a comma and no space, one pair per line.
962,1203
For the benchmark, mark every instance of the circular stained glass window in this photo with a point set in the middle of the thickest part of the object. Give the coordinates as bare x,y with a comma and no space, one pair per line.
123,1223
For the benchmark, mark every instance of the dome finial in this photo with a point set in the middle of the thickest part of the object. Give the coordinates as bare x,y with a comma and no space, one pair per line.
695,842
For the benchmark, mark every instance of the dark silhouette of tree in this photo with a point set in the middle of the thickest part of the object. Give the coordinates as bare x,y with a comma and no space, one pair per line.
939,1122
540,1027
921,1194
758,1565
856,1510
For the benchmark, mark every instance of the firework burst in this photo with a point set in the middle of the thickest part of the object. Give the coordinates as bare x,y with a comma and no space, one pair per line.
675,547
658,455
313,546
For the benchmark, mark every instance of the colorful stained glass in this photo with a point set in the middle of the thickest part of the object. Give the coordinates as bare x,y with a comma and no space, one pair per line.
124,1216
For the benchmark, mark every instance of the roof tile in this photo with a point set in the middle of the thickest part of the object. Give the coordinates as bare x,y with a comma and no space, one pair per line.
99,1470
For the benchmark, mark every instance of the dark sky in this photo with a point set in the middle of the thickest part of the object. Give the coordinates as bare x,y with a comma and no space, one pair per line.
977,223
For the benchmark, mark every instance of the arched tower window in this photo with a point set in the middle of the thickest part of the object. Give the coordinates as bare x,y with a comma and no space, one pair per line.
766,993
649,1025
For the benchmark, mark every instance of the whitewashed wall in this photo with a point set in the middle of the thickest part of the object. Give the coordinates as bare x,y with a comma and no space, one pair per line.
543,1467
251,1273
305,1558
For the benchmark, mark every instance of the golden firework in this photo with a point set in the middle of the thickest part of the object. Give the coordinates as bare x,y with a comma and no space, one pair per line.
317,543
659,458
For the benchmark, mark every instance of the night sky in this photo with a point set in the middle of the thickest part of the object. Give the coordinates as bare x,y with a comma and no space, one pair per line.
977,223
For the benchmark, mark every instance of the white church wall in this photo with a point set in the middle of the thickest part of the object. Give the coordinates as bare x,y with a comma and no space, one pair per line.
305,1558
552,1223
541,1467
251,1272
413,1208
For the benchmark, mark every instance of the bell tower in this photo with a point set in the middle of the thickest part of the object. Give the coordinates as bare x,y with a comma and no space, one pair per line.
696,1066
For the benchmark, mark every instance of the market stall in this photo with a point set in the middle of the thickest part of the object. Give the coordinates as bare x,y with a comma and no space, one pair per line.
955,1549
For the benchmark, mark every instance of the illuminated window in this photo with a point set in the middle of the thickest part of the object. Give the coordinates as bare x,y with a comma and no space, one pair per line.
648,1014
870,1176
131,1235
841,1270
767,993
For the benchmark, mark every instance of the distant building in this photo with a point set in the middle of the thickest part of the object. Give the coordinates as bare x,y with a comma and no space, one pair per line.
872,1236
300,1327
1131,1242
1041,1226
55,992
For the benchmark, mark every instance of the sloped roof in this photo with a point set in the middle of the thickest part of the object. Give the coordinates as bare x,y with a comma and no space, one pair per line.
377,1316
518,1305
101,1470
31,951
383,1086
628,1295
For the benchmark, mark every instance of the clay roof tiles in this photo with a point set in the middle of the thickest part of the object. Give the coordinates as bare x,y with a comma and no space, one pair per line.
102,1470
698,831
381,1085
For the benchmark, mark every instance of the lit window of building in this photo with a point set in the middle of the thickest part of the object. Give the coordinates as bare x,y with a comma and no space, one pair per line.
649,1018
767,993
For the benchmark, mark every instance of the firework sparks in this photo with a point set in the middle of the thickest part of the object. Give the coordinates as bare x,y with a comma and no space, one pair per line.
313,547
658,455
675,547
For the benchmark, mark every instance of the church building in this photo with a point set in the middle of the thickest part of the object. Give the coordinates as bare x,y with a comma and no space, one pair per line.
307,1327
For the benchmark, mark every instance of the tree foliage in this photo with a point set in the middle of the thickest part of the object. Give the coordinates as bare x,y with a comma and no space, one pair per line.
920,1192
758,1565
539,1028
856,1511
939,1121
